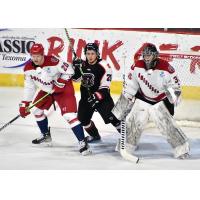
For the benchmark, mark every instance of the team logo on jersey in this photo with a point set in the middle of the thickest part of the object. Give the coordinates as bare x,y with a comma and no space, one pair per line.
87,80
162,74
146,82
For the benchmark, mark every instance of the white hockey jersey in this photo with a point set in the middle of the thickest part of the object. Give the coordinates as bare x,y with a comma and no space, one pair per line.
43,77
151,84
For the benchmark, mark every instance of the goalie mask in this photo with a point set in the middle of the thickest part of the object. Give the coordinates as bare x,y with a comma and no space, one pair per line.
150,55
94,47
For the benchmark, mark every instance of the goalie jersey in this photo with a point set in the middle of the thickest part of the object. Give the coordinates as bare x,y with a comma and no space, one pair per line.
151,85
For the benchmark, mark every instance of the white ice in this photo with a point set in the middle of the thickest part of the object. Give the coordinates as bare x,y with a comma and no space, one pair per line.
17,152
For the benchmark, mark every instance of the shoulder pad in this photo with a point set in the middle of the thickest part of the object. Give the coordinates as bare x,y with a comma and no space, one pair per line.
164,65
29,66
139,64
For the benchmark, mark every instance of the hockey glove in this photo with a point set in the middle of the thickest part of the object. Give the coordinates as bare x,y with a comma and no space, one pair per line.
77,63
94,99
59,85
23,108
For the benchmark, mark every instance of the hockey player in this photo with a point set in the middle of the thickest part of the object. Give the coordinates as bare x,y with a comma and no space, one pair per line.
52,75
95,75
153,87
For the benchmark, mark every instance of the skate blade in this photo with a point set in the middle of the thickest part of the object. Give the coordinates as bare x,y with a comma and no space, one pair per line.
44,144
86,153
184,156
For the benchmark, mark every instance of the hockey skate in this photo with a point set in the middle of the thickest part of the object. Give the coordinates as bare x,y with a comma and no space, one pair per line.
45,139
184,156
84,148
91,139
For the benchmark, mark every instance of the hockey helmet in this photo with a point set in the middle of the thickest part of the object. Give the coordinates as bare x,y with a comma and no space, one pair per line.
92,46
150,50
37,49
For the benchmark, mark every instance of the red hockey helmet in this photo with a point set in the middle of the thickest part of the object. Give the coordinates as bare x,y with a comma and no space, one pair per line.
37,49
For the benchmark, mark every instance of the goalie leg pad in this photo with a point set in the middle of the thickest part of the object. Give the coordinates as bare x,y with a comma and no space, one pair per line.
136,122
122,108
168,127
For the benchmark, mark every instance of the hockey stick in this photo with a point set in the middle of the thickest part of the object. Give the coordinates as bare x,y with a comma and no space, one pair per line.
73,51
70,42
123,151
14,119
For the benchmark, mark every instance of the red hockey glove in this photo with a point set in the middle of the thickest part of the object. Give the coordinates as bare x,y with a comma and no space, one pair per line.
23,108
59,85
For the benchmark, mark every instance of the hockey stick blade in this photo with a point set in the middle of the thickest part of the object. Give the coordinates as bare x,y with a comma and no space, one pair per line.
128,156
10,122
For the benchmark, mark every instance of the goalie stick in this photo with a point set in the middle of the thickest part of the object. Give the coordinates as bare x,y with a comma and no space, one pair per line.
14,119
126,155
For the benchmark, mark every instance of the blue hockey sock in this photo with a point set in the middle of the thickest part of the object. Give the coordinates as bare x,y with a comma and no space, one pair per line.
43,126
78,131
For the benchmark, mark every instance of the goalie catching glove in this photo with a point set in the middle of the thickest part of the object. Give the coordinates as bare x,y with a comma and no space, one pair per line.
173,95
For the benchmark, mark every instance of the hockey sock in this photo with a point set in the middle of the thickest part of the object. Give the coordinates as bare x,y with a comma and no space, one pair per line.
78,132
43,126
92,130
118,127
115,122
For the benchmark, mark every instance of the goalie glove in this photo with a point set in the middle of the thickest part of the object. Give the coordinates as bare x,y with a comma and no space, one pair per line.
173,95
94,99
23,108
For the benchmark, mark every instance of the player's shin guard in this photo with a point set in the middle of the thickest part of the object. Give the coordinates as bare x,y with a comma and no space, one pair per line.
115,122
93,132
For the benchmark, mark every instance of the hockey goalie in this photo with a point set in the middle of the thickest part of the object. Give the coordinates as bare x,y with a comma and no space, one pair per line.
151,90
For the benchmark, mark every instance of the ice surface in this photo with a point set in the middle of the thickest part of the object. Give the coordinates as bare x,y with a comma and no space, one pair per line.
17,152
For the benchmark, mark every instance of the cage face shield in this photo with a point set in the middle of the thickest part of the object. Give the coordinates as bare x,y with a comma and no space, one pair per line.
150,55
